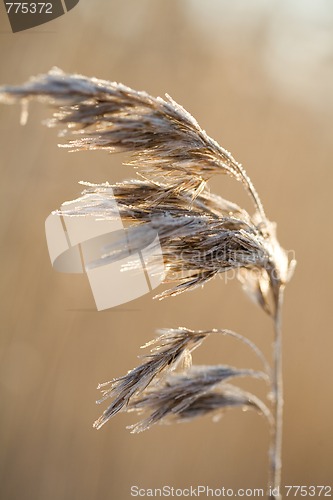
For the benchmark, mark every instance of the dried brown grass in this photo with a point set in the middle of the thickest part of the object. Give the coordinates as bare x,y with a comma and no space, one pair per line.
201,235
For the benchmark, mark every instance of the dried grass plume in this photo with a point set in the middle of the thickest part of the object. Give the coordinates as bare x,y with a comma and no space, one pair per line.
201,235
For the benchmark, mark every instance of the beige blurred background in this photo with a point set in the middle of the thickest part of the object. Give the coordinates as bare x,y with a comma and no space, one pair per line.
258,76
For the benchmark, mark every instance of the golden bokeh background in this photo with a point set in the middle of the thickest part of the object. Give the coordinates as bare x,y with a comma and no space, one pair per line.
258,76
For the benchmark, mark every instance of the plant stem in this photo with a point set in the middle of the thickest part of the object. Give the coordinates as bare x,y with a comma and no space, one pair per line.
276,436
253,192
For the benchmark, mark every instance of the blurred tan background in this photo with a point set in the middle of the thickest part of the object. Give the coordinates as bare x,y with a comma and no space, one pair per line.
258,76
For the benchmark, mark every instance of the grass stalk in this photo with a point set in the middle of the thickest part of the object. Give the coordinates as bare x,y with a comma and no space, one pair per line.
201,235
276,435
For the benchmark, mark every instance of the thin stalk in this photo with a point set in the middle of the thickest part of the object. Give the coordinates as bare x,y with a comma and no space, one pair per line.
253,192
276,435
